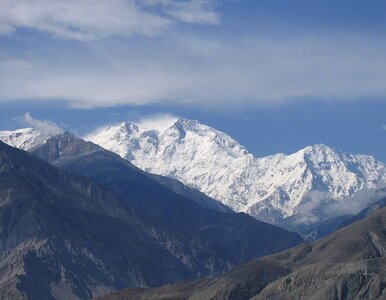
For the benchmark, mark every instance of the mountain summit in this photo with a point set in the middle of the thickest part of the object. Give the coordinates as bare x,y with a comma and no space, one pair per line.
272,188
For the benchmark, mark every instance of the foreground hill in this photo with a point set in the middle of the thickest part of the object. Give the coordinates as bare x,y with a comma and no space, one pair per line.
348,264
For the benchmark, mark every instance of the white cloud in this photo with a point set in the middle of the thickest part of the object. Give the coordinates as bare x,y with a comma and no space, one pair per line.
206,72
157,121
45,126
95,19
353,205
317,208
175,67
307,213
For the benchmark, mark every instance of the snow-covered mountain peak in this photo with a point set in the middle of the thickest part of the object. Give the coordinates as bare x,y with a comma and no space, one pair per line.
129,127
319,148
188,124
204,132
25,138
184,125
269,188
126,137
117,137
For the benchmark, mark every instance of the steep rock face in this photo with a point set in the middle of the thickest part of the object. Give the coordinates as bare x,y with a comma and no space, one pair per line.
348,264
271,189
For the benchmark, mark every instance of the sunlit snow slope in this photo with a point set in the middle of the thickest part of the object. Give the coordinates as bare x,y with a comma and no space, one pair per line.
270,188
25,139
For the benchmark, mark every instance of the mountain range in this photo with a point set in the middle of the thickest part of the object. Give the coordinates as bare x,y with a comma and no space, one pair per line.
98,224
279,189
296,191
80,221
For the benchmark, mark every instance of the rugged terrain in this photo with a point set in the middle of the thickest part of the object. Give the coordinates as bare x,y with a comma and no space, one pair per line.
180,216
348,264
63,236
296,191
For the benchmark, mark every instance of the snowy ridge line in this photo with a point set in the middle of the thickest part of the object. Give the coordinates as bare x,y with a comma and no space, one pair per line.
272,189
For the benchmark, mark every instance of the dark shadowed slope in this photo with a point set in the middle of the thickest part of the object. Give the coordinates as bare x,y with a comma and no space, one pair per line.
206,241
348,264
63,236
65,148
191,193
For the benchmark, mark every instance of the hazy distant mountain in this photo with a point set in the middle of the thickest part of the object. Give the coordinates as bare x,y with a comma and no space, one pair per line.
349,264
271,189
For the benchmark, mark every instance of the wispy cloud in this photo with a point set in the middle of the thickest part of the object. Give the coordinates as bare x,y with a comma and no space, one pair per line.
192,12
313,210
157,121
208,72
45,126
178,67
356,203
95,19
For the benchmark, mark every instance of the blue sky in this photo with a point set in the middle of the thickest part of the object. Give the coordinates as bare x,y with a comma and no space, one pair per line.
275,75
